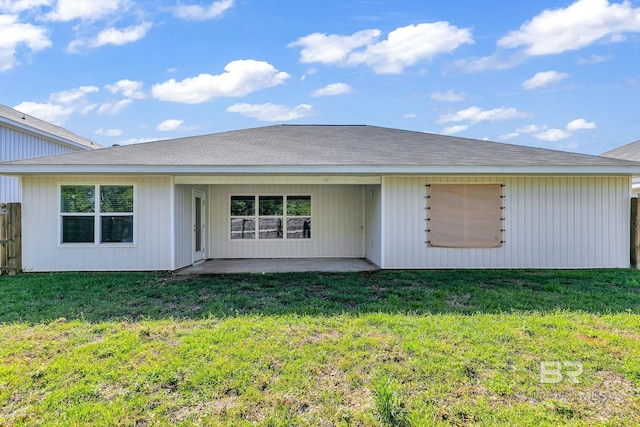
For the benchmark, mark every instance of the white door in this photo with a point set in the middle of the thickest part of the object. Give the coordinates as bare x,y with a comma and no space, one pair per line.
198,226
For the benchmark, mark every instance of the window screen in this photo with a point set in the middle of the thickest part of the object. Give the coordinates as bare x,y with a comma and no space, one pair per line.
464,215
96,213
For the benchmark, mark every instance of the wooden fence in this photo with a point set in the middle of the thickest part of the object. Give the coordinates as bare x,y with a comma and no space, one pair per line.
10,238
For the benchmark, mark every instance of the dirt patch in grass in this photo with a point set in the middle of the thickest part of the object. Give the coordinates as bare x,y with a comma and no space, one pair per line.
215,407
611,396
335,384
459,301
592,340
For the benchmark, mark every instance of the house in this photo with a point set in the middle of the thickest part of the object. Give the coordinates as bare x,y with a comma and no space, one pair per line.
629,151
23,136
401,199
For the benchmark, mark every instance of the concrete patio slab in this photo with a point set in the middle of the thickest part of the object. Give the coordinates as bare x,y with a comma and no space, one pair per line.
278,265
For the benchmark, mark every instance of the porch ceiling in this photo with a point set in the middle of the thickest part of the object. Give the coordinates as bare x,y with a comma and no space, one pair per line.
277,179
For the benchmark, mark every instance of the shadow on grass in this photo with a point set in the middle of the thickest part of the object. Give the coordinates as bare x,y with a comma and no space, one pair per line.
97,297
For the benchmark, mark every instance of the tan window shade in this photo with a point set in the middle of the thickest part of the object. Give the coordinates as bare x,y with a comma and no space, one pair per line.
465,215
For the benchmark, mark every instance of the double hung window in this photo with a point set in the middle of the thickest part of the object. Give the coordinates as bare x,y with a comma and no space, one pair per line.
97,214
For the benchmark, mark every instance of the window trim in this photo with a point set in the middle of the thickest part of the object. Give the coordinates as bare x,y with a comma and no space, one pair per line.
97,215
256,216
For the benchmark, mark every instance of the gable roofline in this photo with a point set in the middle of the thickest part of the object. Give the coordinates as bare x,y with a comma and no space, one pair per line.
9,169
32,125
322,149
630,151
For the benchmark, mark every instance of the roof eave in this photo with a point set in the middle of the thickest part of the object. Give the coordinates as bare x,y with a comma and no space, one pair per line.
24,170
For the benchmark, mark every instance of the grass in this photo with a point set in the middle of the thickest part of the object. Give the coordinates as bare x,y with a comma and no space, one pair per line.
393,348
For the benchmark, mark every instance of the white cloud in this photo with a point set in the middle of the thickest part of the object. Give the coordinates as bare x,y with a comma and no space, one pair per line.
271,112
112,36
552,135
114,107
199,13
574,27
68,10
404,46
407,45
448,96
531,129
128,88
86,108
119,37
17,6
169,125
454,129
476,114
558,30
72,95
495,62
108,132
579,124
509,135
14,34
594,59
61,105
332,49
410,116
309,72
240,78
543,78
332,90
56,114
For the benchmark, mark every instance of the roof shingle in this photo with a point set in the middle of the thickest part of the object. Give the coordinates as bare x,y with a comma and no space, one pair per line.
629,151
324,145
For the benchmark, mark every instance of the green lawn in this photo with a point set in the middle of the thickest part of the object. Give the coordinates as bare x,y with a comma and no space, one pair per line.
385,348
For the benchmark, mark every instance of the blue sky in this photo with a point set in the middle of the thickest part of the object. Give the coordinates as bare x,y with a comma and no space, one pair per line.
548,73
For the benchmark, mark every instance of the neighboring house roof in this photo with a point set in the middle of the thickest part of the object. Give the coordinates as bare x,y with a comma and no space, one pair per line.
27,123
330,149
629,151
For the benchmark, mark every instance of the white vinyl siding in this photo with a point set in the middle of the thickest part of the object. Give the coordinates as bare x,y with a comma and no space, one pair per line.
337,229
15,145
183,226
550,222
184,223
41,248
373,224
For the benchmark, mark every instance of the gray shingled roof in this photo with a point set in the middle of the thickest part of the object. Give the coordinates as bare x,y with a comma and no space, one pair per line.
629,151
22,119
323,145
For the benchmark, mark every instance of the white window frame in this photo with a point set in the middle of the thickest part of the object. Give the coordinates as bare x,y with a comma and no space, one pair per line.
97,224
256,216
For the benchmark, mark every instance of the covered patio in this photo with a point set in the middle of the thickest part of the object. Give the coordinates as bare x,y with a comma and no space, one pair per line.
279,265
